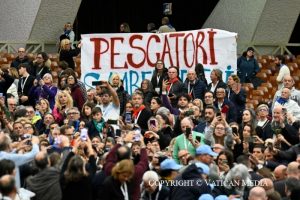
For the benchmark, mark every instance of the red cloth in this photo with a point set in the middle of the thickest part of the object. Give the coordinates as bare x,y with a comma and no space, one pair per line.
136,111
174,80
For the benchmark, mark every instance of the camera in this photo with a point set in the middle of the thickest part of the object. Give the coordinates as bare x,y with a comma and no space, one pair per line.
188,131
188,113
95,83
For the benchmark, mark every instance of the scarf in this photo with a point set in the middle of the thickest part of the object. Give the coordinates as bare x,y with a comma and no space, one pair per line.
174,80
282,100
136,111
99,125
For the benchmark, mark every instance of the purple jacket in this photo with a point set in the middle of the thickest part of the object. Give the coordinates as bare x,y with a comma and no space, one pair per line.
46,92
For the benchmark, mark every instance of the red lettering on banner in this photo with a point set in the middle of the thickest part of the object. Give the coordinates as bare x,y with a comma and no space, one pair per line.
177,35
212,47
97,51
130,55
157,39
185,51
166,50
113,54
199,45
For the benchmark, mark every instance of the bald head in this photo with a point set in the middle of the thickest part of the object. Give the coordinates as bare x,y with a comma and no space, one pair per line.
267,184
280,172
8,186
191,75
41,160
288,81
293,170
285,93
257,193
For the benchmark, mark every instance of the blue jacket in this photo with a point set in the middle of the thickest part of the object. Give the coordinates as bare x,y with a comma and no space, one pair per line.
231,114
198,90
247,69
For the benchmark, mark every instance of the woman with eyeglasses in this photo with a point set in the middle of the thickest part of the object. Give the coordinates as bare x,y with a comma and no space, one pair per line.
219,132
263,128
225,162
160,73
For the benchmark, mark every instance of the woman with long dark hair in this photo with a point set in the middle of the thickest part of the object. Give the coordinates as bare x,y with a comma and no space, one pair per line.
159,74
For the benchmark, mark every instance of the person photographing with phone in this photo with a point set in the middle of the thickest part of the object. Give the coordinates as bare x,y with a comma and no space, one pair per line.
188,140
219,132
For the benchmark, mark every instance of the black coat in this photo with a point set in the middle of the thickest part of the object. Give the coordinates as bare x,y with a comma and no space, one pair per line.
220,84
158,84
112,190
231,114
239,102
17,62
26,90
67,56
81,189
6,83
194,190
143,119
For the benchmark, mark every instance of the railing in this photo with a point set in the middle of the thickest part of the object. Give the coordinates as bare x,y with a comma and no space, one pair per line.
280,48
31,46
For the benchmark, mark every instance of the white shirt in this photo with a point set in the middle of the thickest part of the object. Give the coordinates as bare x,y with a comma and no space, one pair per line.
284,70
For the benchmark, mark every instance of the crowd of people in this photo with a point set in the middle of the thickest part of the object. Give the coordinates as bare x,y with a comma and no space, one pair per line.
170,139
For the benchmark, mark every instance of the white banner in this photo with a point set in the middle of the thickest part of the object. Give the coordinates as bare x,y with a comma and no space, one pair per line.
133,55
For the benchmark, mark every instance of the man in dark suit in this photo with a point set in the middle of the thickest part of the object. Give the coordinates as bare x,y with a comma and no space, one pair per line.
141,114
216,81
25,84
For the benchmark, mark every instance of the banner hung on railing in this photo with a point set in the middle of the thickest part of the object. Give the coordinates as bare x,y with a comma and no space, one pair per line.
133,55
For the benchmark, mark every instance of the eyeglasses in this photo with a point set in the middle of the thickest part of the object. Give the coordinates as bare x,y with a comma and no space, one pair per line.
30,111
27,127
21,51
263,109
184,155
11,104
73,113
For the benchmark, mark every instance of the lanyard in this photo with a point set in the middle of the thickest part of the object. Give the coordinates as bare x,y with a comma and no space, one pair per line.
40,71
186,143
23,82
137,117
124,191
170,88
158,77
190,89
157,194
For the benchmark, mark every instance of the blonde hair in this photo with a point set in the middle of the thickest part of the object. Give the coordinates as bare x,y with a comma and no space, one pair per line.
63,44
57,102
48,105
14,72
112,78
124,166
